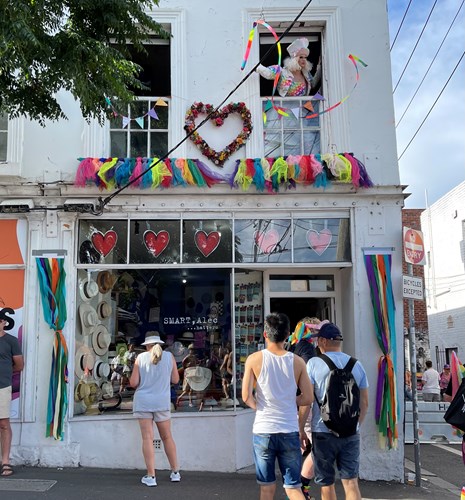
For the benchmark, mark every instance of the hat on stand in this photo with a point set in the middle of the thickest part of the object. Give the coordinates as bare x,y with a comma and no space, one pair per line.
101,340
89,318
88,289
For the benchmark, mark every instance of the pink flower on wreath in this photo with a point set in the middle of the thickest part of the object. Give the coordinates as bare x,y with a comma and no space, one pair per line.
219,121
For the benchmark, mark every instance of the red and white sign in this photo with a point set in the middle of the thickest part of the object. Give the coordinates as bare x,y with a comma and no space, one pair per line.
414,248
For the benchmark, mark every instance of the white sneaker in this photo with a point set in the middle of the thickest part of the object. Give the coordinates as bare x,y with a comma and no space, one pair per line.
175,477
149,481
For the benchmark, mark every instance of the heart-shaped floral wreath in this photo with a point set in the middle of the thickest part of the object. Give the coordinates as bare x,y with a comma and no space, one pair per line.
218,117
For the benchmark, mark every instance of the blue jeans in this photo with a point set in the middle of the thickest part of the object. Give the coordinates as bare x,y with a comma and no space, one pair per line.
329,451
284,446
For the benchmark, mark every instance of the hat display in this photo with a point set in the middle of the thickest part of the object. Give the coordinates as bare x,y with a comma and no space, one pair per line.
298,47
101,340
152,339
89,318
198,377
187,337
107,390
83,360
81,391
101,369
88,289
328,331
104,309
106,281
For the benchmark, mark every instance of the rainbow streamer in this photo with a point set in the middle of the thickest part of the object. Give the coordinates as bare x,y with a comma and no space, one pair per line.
378,269
354,60
52,277
278,109
457,372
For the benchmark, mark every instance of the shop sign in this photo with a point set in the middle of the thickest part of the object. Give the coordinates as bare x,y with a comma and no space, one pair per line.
200,322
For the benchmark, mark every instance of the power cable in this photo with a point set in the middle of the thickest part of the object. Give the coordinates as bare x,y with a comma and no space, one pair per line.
104,202
400,26
431,64
431,109
416,44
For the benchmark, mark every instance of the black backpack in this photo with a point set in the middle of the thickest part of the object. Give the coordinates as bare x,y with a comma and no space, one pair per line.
340,408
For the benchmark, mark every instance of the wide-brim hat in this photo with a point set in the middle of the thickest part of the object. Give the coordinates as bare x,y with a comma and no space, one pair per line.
104,309
81,391
83,360
89,318
101,340
153,339
101,369
88,289
298,47
198,377
107,390
106,281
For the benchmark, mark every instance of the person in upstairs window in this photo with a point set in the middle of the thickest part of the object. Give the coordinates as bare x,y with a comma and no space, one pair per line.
295,78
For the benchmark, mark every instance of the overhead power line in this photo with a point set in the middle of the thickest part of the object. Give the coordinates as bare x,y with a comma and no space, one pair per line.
431,64
401,23
416,44
432,107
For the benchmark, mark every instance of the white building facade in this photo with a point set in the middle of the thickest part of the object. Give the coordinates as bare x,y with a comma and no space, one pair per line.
203,266
443,227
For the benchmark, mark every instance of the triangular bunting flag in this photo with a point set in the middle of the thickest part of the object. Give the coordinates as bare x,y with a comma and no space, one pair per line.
296,112
153,114
108,101
126,120
268,105
140,121
318,97
161,102
308,105
264,118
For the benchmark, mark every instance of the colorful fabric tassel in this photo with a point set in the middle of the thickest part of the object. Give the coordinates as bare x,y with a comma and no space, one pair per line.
135,178
105,174
258,176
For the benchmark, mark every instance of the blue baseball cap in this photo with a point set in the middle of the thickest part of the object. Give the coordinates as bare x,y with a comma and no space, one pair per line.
329,331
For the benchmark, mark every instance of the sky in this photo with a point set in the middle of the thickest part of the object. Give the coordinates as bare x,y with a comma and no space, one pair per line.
434,163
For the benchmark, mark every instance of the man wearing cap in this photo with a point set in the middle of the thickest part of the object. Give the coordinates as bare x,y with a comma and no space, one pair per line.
295,78
11,360
277,374
328,448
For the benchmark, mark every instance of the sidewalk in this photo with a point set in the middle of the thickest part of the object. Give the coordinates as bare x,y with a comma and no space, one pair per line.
108,484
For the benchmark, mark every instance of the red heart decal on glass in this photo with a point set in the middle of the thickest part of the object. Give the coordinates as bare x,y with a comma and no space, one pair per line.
319,241
156,242
266,240
207,243
104,243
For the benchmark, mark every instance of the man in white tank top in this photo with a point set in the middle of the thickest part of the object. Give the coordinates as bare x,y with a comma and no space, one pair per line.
277,374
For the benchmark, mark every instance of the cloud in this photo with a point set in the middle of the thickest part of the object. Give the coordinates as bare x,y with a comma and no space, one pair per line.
435,160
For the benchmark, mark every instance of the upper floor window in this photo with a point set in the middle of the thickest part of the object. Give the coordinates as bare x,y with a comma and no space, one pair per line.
3,136
141,129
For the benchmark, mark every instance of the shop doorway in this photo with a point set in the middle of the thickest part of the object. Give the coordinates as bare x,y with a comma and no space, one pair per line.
299,307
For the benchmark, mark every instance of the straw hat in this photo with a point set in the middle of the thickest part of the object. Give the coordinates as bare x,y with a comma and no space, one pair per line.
153,339
101,340
105,281
107,389
89,318
81,391
198,377
88,289
186,337
104,310
83,360
101,370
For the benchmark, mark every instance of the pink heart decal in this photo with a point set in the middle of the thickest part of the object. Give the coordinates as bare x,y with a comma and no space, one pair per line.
156,242
207,243
266,240
319,241
104,243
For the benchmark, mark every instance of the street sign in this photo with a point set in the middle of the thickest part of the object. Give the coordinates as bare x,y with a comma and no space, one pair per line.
412,287
414,248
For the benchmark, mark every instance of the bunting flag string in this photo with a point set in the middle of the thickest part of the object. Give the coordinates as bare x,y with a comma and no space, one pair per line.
269,174
378,268
125,120
51,274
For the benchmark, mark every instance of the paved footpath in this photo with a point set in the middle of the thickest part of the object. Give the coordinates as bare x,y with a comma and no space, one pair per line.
82,483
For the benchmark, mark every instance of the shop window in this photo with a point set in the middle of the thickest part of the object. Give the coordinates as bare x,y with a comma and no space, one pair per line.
207,241
102,241
141,129
3,136
154,241
191,310
293,134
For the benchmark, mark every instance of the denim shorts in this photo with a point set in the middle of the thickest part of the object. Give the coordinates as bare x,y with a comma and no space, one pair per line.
330,451
285,447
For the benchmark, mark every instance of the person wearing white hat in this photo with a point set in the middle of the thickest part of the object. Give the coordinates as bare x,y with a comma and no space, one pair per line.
152,374
295,78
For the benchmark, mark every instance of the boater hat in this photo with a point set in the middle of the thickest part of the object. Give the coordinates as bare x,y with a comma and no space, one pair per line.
104,310
89,318
88,289
101,370
101,340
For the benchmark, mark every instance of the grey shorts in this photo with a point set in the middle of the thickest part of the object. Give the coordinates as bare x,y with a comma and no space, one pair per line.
5,402
156,416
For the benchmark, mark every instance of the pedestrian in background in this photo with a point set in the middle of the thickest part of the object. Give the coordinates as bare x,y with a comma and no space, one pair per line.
153,373
444,379
11,360
430,384
277,374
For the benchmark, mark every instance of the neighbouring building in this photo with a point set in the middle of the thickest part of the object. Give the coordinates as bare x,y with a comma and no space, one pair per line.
283,226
